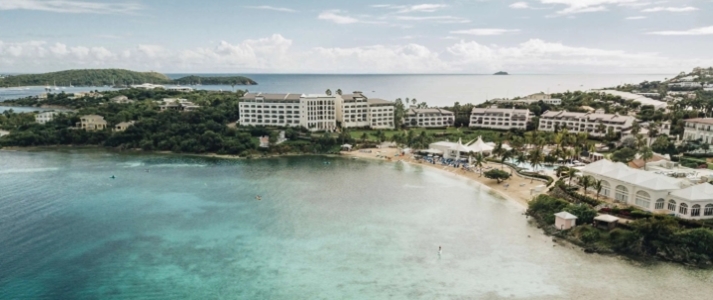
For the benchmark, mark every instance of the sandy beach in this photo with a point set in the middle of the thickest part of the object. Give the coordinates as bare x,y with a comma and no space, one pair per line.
516,188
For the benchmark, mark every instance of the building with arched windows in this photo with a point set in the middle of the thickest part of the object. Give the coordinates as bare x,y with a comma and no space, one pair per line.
652,192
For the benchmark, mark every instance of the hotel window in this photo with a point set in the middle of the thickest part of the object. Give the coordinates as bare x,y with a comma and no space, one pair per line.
622,193
643,199
709,210
683,209
695,210
659,204
672,205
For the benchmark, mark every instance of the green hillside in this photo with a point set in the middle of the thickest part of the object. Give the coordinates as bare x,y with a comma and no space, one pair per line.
88,77
227,80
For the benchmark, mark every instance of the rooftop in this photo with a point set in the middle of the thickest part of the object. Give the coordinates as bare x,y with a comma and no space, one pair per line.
499,110
287,96
707,121
699,192
377,101
413,111
565,215
620,171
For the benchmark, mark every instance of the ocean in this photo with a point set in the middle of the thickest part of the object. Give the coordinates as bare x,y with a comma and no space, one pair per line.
182,227
435,90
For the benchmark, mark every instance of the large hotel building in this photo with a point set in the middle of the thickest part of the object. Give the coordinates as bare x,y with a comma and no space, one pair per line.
585,122
316,112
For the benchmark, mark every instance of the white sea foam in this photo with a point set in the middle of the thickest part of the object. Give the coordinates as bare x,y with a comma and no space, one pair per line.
28,170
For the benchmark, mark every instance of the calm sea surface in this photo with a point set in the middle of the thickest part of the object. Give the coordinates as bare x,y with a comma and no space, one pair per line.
436,90
173,227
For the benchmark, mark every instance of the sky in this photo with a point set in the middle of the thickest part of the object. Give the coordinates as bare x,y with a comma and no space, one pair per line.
356,37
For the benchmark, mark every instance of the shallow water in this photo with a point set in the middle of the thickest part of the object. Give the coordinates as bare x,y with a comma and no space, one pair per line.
172,227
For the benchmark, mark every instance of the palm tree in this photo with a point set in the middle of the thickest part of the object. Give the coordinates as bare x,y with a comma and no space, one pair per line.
413,101
339,92
503,157
536,159
646,154
520,158
571,173
364,137
586,182
328,92
598,187
479,161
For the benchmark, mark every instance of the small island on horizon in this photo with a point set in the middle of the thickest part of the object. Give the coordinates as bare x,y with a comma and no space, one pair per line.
501,73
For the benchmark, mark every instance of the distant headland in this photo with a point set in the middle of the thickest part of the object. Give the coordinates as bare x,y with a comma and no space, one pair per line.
501,73
114,77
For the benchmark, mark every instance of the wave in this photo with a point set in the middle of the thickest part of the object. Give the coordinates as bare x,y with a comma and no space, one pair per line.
29,170
176,166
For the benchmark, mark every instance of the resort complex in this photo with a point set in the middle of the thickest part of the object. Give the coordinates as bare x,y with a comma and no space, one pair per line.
685,197
316,112
595,124
500,118
428,117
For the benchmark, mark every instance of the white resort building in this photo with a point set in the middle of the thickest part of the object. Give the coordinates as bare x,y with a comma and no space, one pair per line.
354,111
123,126
700,128
317,112
45,117
428,117
357,111
258,109
585,122
381,113
653,192
500,118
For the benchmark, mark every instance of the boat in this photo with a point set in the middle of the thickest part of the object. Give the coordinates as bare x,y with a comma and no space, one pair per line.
258,198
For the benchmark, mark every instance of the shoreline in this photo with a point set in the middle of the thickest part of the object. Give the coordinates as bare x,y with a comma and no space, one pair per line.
518,192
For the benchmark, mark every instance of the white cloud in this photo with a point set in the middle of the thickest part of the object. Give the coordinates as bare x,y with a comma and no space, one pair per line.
670,9
485,31
424,8
268,7
694,31
437,19
336,17
70,6
584,6
636,18
275,53
410,58
519,5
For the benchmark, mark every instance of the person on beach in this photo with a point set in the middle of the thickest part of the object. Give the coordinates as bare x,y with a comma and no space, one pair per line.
439,251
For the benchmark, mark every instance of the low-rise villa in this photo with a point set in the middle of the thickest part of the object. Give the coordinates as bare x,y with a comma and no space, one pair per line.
653,192
177,105
45,117
123,126
91,123
699,129
121,100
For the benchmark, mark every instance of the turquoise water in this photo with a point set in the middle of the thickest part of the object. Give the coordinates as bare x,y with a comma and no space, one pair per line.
174,227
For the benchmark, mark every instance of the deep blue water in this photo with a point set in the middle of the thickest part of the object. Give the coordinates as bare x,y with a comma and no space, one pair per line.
175,227
436,90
